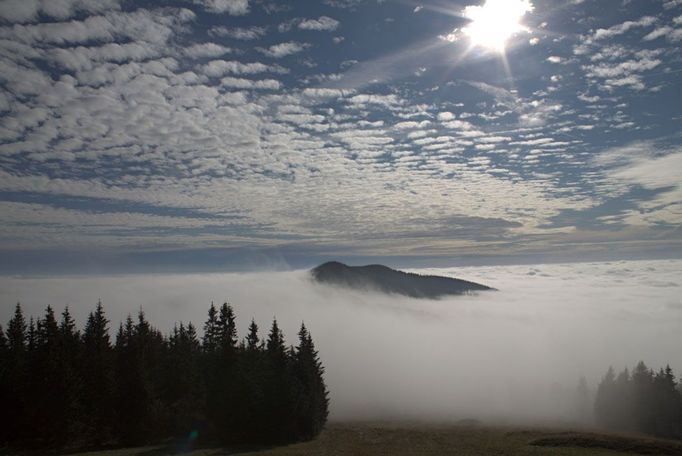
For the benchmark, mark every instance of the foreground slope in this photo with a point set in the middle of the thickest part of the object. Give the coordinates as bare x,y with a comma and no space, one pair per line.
395,439
382,278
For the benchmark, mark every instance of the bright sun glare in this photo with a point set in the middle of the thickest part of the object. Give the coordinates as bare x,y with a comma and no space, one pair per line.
494,22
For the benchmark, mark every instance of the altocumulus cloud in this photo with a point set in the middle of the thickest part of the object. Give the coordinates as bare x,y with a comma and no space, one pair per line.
227,123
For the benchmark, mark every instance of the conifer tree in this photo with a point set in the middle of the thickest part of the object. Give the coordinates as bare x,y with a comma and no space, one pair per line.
278,388
17,346
210,340
252,340
183,392
46,406
250,402
624,412
603,405
224,403
312,400
97,377
227,330
69,379
4,385
132,395
667,404
642,390
63,388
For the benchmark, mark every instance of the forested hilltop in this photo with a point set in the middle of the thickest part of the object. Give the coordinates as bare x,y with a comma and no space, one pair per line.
60,387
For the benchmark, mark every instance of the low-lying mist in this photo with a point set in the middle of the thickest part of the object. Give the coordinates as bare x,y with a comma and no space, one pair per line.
513,354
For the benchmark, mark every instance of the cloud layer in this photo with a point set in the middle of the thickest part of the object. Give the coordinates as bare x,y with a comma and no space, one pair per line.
338,128
498,355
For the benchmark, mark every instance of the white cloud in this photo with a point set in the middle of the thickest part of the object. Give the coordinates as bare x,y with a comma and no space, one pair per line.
216,68
326,93
201,50
645,21
28,10
320,24
671,34
114,108
239,33
232,7
284,49
654,168
240,83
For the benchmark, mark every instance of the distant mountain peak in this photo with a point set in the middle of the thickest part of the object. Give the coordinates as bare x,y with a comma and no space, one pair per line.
381,278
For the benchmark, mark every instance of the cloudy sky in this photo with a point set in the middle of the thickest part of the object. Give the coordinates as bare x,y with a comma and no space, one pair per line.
208,133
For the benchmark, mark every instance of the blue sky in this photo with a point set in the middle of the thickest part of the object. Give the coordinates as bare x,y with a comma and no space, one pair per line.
214,134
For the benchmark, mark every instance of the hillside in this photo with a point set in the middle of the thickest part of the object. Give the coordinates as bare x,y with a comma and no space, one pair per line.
384,279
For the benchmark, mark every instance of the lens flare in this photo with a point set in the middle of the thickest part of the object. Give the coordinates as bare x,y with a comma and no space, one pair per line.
494,22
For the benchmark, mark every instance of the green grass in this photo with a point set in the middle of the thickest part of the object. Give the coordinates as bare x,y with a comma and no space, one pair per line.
398,439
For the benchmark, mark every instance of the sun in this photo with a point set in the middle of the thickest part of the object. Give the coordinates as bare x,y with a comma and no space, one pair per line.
494,22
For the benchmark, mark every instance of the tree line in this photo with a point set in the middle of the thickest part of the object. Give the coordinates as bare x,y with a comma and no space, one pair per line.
643,401
62,387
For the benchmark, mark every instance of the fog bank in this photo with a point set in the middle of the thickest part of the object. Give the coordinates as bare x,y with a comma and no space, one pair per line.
515,353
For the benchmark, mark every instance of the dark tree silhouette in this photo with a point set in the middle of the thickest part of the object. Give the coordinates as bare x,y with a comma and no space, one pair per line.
278,387
61,388
97,378
14,409
4,385
312,402
183,391
642,402
210,341
642,391
133,404
47,408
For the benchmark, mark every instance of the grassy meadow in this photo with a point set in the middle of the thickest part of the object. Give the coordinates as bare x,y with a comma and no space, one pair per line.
398,439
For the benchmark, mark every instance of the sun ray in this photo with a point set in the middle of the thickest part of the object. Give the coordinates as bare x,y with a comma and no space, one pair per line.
495,22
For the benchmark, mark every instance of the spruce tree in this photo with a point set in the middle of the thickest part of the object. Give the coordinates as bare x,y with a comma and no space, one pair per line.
183,392
133,408
97,378
227,330
210,340
249,390
252,339
224,406
278,388
603,404
15,405
4,385
70,380
643,406
667,404
624,412
63,388
46,406
312,401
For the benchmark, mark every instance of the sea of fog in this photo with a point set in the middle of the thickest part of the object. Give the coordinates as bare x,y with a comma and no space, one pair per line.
516,353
